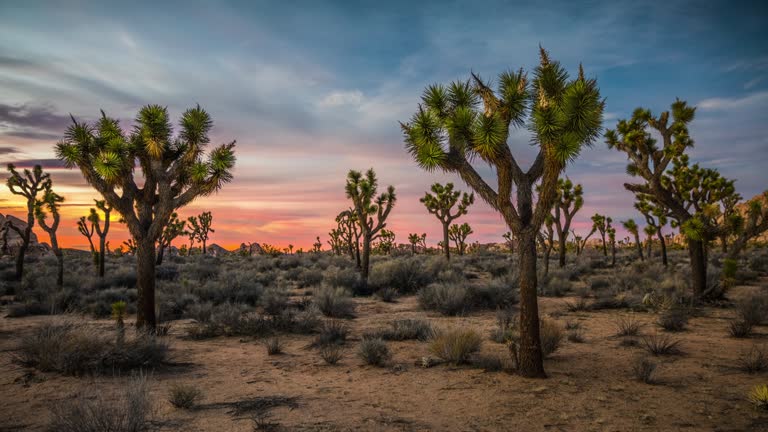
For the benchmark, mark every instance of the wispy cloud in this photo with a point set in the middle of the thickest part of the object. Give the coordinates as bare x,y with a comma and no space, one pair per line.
734,103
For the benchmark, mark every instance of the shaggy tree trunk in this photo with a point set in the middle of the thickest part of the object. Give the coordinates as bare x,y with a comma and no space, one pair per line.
446,244
102,254
160,254
561,249
605,247
639,247
698,267
145,284
530,358
663,244
366,259
547,251
204,248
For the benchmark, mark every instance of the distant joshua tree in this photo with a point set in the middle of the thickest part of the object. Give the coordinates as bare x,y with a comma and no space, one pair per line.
95,219
510,240
601,224
749,226
27,185
655,216
175,172
546,239
200,229
650,231
568,202
386,241
362,191
336,242
459,233
130,246
440,205
174,229
317,246
350,233
290,249
631,226
612,240
88,231
416,240
51,203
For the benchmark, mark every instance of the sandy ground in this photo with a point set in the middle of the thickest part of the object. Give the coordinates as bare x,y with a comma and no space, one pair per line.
590,385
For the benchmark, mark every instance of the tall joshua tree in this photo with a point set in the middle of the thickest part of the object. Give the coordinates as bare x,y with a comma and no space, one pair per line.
350,232
450,130
749,226
371,210
569,201
601,224
631,226
88,231
459,233
51,203
655,217
27,184
668,180
547,241
200,229
335,242
174,168
650,231
101,231
175,228
440,205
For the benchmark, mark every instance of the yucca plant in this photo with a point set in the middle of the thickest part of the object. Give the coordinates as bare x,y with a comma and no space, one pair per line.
101,231
118,314
459,233
175,171
51,203
441,203
656,217
27,185
631,226
467,121
570,199
759,396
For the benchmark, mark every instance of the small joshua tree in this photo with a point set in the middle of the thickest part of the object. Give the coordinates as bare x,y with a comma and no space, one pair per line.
130,246
631,226
174,229
569,201
749,226
612,240
362,191
102,232
386,241
547,242
50,204
317,246
601,224
440,205
416,240
656,217
118,314
27,185
200,229
350,233
510,240
88,231
335,242
451,129
459,233
174,168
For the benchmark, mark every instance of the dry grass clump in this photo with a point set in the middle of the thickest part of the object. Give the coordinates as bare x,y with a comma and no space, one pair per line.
753,361
447,298
331,354
333,332
674,320
739,328
274,345
627,326
405,329
660,345
455,345
643,370
335,302
374,351
184,396
759,396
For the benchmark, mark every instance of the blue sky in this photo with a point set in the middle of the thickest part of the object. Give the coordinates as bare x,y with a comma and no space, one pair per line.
313,89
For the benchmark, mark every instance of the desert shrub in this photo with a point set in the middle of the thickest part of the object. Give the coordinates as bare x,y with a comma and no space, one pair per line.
406,275
374,351
130,412
753,309
406,329
309,277
455,345
555,286
552,336
579,305
307,321
739,328
660,345
446,298
99,303
674,319
576,336
334,302
274,300
494,294
387,295
609,301
75,349
505,320
643,370
184,396
488,363
331,354
599,283
627,325
274,345
759,396
332,332
753,361
347,278
28,309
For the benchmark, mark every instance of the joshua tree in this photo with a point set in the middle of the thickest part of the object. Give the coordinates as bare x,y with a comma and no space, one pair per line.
510,240
729,213
450,131
569,201
88,231
4,237
130,246
415,240
655,217
350,232
175,172
175,228
440,205
317,246
631,226
386,241
612,240
200,229
27,185
459,233
580,242
50,204
290,249
688,192
95,219
601,224
336,243
649,231
362,191
749,226
547,240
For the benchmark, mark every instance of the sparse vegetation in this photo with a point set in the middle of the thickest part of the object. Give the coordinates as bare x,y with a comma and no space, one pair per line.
374,351
184,396
661,345
644,369
455,345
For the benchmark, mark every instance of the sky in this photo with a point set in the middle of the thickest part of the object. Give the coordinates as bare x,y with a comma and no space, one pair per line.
312,89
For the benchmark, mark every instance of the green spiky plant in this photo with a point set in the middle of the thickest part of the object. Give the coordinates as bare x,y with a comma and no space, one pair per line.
601,224
442,202
350,233
655,216
450,130
175,171
50,203
631,226
371,211
547,241
458,234
101,231
28,185
417,240
569,201
386,242
335,242
200,229
87,229
175,228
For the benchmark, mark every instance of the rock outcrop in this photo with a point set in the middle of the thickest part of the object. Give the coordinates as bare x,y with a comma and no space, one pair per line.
14,239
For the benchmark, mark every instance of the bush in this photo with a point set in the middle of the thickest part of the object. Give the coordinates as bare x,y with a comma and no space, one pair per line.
753,361
627,326
446,298
579,305
455,345
184,396
739,328
387,295
274,345
576,336
274,301
753,310
131,411
374,351
659,345
406,274
75,349
495,294
331,333
488,363
759,396
505,320
335,303
551,337
331,354
643,370
347,278
555,286
673,320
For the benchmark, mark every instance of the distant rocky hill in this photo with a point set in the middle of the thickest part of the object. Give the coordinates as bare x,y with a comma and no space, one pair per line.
14,239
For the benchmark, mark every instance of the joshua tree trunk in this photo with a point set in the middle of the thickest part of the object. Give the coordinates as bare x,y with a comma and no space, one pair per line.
663,244
160,254
613,254
639,246
561,249
605,247
698,267
204,249
60,258
145,279
530,359
446,244
366,258
102,252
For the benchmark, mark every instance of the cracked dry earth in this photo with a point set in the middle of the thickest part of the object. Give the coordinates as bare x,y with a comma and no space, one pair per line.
590,385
